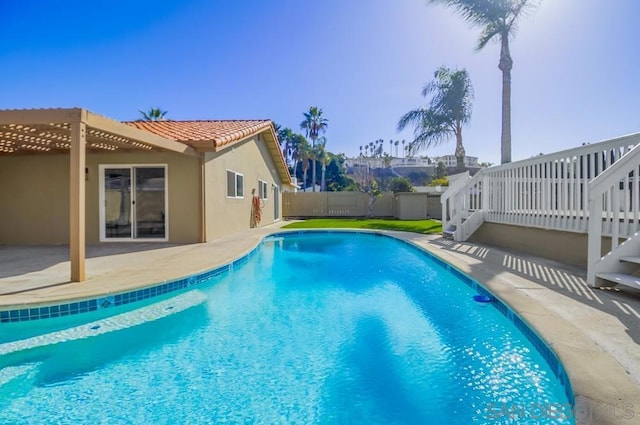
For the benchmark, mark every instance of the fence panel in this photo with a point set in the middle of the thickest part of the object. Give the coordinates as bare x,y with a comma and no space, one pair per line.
335,204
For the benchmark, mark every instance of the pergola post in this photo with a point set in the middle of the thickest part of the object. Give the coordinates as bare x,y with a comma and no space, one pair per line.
77,163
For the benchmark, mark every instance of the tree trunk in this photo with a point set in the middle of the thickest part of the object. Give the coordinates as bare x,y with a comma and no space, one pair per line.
372,200
304,178
313,175
313,168
323,186
460,152
505,65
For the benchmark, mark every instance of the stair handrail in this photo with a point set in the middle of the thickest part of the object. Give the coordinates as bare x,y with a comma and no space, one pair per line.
598,186
568,153
469,226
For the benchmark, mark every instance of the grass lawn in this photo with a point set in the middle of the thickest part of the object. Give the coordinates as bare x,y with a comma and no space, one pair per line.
416,226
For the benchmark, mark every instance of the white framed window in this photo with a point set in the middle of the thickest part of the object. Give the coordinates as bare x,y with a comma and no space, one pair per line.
235,184
262,189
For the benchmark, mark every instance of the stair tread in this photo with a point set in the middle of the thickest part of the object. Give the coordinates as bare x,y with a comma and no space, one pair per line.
630,259
621,279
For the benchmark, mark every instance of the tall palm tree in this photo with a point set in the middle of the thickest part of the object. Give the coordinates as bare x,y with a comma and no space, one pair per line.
448,109
153,114
498,20
396,145
314,124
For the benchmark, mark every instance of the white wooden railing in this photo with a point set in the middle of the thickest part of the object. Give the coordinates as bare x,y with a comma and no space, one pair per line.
463,203
614,211
547,191
451,208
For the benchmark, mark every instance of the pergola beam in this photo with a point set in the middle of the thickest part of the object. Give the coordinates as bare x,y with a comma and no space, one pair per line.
41,116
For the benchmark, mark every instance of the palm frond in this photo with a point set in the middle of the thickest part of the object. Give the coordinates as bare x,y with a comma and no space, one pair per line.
489,32
414,117
449,106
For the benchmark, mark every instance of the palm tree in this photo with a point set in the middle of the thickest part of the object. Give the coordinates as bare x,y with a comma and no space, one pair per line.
303,155
294,144
322,155
153,114
498,20
314,124
288,140
396,145
449,107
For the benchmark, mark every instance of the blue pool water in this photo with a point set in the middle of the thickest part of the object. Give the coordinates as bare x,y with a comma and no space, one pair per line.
316,328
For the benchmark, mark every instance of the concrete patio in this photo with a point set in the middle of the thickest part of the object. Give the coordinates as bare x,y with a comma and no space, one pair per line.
595,332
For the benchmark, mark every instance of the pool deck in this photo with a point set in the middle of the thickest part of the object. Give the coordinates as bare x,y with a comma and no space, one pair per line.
595,332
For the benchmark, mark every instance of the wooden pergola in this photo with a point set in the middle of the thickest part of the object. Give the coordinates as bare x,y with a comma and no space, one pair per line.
76,130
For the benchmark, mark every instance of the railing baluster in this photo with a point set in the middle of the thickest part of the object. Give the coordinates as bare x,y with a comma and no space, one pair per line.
615,219
626,210
636,204
584,193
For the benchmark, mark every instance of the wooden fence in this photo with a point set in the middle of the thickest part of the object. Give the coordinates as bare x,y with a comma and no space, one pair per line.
407,206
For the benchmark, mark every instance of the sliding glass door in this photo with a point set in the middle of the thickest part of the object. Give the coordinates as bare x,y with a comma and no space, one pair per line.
133,201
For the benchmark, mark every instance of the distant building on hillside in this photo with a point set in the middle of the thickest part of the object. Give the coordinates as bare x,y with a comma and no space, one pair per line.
410,162
452,161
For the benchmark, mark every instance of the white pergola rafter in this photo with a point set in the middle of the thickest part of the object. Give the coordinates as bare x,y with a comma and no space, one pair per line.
41,131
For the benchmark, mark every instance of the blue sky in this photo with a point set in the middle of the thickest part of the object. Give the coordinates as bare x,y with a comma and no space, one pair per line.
575,76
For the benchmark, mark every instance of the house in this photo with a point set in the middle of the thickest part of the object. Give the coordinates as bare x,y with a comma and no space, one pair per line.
452,161
69,176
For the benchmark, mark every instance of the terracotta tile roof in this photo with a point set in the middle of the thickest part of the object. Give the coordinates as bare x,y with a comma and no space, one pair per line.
213,134
220,132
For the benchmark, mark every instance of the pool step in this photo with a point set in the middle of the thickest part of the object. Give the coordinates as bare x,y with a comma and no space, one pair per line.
114,323
11,373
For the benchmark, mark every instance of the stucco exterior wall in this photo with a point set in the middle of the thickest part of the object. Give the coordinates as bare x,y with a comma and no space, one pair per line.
226,215
34,199
34,196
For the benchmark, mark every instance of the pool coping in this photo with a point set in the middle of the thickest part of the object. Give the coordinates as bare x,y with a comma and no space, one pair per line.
602,388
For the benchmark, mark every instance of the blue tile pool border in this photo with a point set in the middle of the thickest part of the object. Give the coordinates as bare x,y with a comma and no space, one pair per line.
118,299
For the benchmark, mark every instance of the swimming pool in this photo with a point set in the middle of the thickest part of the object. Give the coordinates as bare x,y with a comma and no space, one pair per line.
314,327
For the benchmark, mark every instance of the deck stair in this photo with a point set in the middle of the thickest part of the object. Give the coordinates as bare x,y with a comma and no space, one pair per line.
449,232
623,279
631,259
